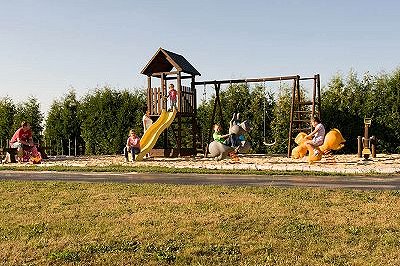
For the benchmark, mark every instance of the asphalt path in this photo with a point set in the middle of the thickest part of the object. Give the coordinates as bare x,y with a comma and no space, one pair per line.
346,182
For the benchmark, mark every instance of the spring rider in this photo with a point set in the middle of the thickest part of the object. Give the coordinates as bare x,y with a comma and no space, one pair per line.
366,145
333,141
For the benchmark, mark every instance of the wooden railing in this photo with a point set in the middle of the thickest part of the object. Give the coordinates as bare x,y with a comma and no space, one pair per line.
187,100
156,100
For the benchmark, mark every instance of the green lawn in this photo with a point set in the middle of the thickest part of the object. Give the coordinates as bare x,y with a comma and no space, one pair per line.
173,170
54,223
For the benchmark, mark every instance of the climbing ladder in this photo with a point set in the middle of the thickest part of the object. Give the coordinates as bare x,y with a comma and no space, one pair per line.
302,109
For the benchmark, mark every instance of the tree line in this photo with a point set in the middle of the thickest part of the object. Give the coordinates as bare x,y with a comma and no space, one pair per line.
99,122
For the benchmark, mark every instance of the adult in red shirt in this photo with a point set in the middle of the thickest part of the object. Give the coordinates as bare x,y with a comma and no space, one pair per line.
22,139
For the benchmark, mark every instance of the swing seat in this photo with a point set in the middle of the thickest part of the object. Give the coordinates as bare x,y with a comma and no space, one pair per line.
269,144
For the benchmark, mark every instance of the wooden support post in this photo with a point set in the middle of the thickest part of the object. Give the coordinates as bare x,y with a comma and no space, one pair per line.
179,88
295,81
212,117
298,101
179,140
163,92
314,97
179,107
221,120
164,106
359,146
373,142
194,114
149,94
319,96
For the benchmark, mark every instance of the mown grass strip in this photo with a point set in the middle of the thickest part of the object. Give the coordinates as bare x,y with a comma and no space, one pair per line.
172,170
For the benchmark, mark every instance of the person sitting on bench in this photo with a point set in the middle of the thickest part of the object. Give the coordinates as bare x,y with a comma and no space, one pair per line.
22,140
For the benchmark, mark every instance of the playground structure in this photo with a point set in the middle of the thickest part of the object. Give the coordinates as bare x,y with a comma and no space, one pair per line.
167,67
171,67
366,145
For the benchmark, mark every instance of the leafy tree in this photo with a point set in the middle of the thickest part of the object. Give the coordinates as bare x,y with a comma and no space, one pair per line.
345,104
343,108
30,111
281,120
204,112
383,107
7,111
260,100
107,115
54,127
63,124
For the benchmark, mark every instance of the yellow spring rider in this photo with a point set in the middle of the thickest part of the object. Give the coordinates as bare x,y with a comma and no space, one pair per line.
333,141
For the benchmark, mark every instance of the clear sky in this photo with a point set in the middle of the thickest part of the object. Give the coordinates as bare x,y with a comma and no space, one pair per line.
47,47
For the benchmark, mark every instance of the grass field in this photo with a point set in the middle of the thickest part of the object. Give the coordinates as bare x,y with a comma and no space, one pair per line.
49,223
172,170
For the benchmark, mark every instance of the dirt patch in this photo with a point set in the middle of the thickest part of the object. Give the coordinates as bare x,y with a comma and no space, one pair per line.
383,163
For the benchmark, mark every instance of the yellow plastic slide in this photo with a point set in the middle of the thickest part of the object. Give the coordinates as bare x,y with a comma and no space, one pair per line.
152,134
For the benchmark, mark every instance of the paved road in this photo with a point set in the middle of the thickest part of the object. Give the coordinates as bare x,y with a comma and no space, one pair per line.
354,182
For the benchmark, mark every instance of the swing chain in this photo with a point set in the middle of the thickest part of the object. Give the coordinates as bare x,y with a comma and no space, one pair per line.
205,92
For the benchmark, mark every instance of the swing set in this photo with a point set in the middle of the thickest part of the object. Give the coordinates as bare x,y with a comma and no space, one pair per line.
300,112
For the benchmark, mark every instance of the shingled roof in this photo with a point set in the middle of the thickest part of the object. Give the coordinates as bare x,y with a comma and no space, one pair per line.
165,61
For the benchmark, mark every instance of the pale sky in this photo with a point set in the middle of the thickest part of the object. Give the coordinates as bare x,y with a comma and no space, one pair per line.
47,47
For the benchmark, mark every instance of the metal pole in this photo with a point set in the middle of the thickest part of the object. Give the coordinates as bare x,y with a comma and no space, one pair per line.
373,146
69,147
366,138
359,146
75,146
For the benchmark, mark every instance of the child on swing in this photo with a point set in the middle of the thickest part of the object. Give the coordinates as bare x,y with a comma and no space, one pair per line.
218,137
318,136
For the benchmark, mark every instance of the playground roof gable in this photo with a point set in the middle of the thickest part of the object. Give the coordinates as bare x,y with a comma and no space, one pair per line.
165,61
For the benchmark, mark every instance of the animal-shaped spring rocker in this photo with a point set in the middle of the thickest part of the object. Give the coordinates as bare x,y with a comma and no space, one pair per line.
333,141
237,143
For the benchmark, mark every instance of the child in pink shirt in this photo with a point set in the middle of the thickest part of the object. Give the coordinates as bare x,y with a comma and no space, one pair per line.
132,145
172,94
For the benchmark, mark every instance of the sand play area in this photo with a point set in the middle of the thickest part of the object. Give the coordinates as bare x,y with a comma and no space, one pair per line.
348,164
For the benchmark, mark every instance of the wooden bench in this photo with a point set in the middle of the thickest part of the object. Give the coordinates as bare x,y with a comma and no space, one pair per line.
42,150
8,154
